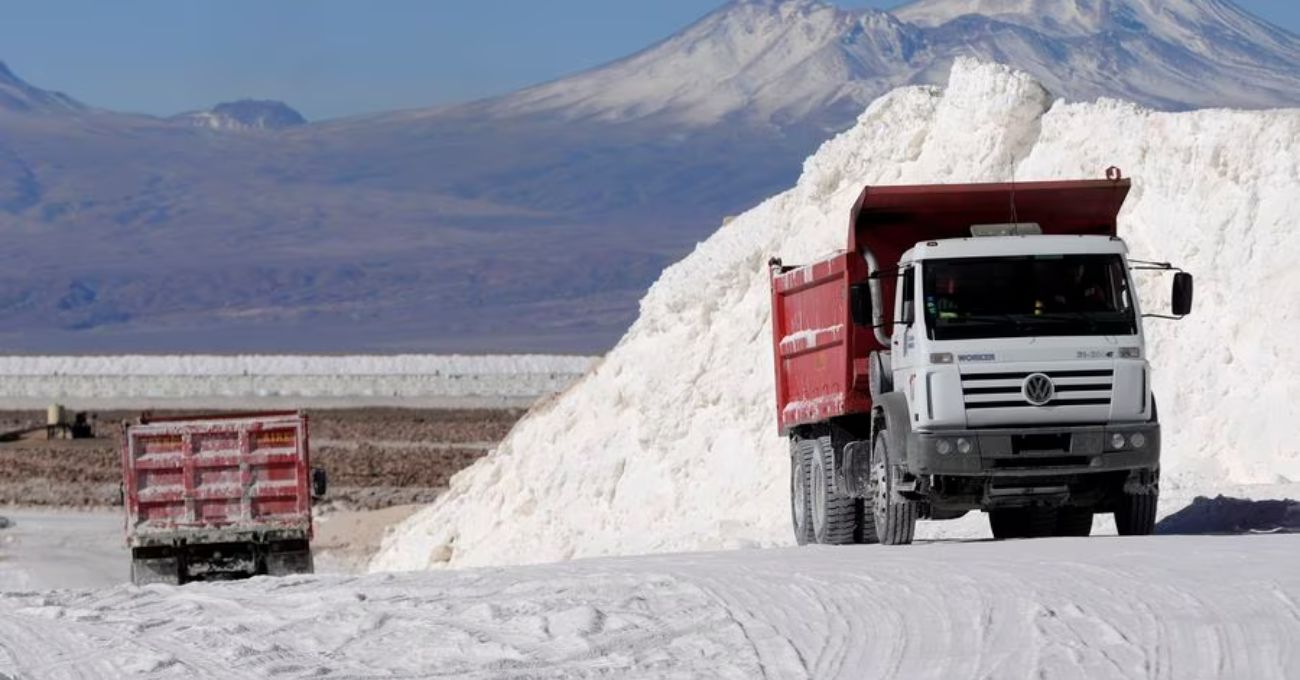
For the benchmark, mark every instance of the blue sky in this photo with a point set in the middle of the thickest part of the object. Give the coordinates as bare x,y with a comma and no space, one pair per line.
331,58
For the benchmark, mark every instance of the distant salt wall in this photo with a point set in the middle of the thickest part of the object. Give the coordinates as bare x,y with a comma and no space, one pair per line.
197,381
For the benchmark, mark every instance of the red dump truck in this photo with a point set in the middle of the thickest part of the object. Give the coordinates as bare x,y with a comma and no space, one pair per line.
974,347
218,497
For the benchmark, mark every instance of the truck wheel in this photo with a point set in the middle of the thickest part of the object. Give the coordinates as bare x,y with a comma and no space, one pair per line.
801,453
1009,523
895,518
834,517
1041,522
1074,522
1136,514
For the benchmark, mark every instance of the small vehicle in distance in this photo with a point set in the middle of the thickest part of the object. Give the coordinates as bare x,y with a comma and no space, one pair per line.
219,497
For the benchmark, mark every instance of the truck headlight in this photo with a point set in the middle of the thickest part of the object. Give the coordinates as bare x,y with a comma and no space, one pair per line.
943,446
1138,440
1130,352
964,446
1117,441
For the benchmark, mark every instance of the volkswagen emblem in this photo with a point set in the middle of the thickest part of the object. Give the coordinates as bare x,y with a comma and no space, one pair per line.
1038,389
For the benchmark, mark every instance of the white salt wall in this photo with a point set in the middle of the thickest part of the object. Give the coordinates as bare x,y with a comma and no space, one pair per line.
218,381
671,443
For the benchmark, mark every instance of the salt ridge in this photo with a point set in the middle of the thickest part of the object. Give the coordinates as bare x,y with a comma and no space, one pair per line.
670,443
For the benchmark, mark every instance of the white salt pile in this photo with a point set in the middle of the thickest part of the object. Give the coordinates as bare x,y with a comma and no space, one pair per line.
671,444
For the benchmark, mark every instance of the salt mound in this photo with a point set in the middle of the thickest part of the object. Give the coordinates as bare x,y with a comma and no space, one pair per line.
670,443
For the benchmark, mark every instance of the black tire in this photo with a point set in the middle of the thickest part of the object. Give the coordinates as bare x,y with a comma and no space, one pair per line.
1041,522
895,518
1074,522
834,517
1136,514
1009,523
801,453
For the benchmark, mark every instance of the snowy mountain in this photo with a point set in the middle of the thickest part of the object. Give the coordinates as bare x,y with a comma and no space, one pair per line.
245,114
548,211
785,62
18,96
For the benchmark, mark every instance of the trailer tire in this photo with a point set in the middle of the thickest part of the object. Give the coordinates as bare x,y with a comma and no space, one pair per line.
801,453
1136,514
834,517
1074,522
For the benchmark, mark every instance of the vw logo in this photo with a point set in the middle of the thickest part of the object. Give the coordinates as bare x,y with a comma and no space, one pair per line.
1038,389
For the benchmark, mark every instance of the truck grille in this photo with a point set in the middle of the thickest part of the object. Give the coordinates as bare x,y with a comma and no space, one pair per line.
1071,388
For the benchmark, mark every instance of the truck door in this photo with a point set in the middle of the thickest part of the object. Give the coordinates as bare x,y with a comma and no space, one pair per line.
903,342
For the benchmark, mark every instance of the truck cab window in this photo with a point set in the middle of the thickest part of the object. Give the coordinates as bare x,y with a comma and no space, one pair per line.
1039,295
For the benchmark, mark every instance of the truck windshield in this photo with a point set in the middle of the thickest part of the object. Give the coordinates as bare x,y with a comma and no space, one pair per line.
1038,295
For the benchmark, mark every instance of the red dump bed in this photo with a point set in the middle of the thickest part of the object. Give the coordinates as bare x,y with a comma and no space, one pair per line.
217,478
821,357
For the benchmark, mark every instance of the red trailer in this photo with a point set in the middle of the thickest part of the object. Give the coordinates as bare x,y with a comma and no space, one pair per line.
221,496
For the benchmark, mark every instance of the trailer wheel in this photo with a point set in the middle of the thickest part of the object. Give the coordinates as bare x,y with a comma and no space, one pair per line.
895,518
834,517
1074,522
1136,514
801,453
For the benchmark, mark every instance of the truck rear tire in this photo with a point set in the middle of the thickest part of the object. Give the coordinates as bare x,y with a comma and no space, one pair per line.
801,453
895,518
1008,523
834,517
1074,522
1136,514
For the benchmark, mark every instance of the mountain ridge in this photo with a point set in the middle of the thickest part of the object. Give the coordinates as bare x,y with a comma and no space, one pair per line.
533,220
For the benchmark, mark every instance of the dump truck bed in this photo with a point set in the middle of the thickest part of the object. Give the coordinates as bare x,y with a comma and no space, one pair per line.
220,478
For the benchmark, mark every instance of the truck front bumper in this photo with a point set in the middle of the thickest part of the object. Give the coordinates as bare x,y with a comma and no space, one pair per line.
1035,451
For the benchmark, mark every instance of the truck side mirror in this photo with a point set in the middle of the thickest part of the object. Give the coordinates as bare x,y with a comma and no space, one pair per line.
860,304
319,483
1183,287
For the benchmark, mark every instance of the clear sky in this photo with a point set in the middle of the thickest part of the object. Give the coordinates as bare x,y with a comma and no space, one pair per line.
331,58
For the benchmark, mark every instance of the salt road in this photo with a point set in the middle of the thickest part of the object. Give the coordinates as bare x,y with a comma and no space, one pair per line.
1104,607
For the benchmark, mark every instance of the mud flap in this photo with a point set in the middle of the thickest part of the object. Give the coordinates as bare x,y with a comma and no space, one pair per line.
154,566
289,558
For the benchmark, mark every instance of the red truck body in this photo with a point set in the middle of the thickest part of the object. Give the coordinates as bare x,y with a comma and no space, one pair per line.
219,496
821,356
217,475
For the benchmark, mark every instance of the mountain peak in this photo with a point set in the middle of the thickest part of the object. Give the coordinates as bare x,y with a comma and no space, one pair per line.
245,114
16,95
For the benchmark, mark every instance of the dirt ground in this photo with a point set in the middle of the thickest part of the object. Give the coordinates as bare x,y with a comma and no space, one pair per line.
375,457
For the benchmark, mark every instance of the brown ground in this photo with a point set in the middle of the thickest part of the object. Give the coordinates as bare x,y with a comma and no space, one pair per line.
375,457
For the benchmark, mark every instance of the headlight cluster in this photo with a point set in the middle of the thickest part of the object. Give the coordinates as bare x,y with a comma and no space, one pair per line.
961,445
1136,440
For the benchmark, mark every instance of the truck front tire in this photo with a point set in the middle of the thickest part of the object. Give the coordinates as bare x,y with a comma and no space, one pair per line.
834,517
1136,514
801,453
895,518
